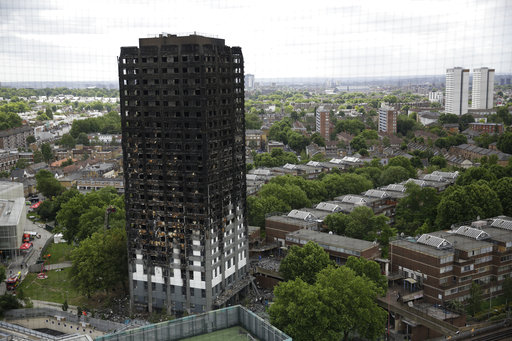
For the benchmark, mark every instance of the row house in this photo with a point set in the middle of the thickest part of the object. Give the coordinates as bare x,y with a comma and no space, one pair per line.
472,152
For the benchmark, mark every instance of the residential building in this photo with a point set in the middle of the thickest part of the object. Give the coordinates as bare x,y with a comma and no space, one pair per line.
249,81
444,264
472,152
490,128
483,88
7,160
387,119
436,97
94,184
15,138
323,125
457,88
182,119
339,248
254,138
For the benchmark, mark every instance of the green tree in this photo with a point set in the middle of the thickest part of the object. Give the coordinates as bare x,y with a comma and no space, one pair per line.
38,156
346,183
369,269
8,302
67,141
47,152
47,184
318,139
404,124
507,291
352,126
371,173
364,224
49,113
337,222
475,174
252,121
21,164
47,210
82,139
351,300
297,141
393,175
503,188
259,207
475,299
417,208
100,262
464,203
298,311
505,142
448,118
304,262
82,215
30,139
439,161
464,121
292,195
403,162
504,115
358,142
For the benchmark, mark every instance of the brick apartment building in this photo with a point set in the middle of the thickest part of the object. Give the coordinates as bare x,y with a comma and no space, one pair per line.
339,248
472,152
15,138
446,263
490,128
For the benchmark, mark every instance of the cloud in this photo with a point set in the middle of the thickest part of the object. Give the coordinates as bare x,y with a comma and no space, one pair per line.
74,40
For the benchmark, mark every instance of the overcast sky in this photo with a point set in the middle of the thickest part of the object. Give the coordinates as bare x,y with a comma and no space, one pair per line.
70,40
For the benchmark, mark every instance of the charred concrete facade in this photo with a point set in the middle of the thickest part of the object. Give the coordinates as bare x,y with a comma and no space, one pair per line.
182,114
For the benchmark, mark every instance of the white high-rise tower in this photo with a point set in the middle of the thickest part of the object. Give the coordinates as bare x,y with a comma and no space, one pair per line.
457,88
483,88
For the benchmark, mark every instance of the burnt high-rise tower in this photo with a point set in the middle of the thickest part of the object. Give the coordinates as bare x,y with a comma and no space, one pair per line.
182,114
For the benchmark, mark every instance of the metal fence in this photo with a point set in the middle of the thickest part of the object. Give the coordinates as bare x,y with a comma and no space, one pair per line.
101,325
200,324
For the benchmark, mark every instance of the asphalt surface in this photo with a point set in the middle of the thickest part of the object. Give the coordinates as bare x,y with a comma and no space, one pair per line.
22,262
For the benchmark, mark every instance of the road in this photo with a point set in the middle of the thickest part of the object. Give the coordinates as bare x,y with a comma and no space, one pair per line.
21,263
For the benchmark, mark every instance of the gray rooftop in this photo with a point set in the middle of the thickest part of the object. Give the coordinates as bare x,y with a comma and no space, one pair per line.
425,249
325,239
461,242
292,221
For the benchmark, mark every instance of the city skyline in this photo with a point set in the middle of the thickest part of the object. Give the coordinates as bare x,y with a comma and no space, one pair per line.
75,41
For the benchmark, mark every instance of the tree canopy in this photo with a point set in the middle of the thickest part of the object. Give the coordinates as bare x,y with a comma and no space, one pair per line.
304,262
47,184
100,262
337,304
419,207
84,214
361,223
463,203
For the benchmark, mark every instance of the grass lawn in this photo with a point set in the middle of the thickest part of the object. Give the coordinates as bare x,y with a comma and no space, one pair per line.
54,289
59,253
58,287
